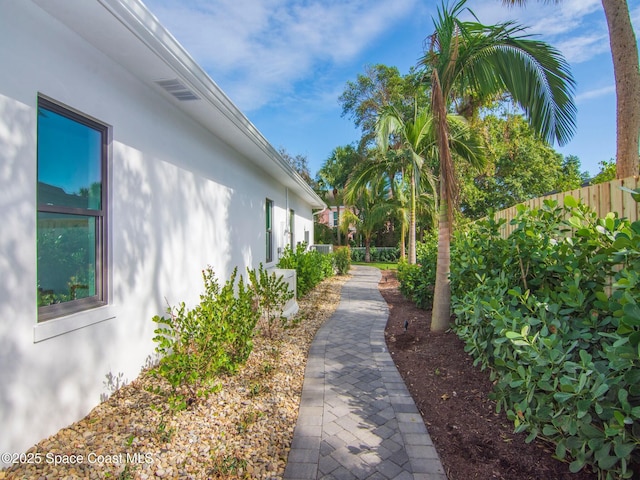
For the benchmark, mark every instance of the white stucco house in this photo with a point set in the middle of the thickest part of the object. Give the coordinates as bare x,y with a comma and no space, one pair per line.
124,171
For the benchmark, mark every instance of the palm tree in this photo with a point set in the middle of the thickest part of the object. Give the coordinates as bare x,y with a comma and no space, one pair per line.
335,173
414,136
370,209
390,165
626,68
486,60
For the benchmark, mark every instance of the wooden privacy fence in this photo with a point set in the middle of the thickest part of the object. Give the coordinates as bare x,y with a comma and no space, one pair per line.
602,198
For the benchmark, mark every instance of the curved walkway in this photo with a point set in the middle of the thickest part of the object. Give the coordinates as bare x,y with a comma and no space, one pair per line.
357,419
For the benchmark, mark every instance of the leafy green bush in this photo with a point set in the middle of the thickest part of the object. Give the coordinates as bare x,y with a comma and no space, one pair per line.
311,267
342,258
214,337
271,294
554,312
380,255
417,281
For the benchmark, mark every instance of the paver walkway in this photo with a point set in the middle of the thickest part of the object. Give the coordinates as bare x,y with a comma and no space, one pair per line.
357,419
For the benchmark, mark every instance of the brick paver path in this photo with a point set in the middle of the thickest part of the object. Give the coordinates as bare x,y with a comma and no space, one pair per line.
357,419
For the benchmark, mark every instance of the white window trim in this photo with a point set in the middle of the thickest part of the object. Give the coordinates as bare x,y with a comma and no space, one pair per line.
59,326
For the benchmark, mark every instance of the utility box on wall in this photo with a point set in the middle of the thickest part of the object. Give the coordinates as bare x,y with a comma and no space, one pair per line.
289,276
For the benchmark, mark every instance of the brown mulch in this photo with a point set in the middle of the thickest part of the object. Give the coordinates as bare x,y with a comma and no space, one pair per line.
473,441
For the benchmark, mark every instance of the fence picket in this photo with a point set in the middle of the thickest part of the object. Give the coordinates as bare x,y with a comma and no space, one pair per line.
603,198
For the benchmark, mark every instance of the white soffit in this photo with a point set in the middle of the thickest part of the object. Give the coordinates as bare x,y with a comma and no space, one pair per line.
127,32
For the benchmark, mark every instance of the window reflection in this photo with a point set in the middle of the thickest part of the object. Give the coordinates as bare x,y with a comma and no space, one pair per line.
69,162
66,257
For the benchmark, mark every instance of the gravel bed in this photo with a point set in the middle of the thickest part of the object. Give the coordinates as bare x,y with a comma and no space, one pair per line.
242,431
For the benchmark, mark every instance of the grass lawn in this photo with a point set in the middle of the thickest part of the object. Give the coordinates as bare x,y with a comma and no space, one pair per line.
380,265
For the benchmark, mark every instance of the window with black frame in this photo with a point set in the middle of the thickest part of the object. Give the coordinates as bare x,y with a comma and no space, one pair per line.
292,230
269,229
71,218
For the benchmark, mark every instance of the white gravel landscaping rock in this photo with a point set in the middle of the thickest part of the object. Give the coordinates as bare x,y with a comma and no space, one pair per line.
242,431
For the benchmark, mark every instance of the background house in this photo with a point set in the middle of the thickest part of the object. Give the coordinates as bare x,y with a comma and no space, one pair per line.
118,150
329,217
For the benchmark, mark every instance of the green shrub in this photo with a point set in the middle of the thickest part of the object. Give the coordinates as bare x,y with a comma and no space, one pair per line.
311,267
214,337
342,258
417,281
271,294
378,255
553,311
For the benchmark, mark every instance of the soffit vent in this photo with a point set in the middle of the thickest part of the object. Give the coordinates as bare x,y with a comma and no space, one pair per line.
178,89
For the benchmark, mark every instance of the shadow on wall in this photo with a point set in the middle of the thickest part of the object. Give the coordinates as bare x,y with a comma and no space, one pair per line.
168,225
17,243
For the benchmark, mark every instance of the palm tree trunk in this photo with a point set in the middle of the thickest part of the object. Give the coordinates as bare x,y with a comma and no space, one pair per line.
338,208
367,250
403,253
624,49
412,222
441,310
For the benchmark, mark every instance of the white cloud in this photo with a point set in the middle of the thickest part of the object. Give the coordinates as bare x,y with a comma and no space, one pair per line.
595,93
581,48
258,50
563,25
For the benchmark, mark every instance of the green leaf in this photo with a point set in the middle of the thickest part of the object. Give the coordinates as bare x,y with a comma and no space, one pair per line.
545,385
590,431
531,437
631,314
570,202
607,462
623,450
561,450
562,397
600,391
575,222
574,443
576,465
583,407
623,395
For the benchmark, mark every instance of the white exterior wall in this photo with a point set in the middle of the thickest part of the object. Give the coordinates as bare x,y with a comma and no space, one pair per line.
180,199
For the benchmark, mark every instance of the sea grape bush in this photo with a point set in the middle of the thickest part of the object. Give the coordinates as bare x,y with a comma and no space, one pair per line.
214,337
381,255
196,345
417,281
311,267
342,258
554,312
271,294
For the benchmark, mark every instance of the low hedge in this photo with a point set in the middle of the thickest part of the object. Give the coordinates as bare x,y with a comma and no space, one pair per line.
554,312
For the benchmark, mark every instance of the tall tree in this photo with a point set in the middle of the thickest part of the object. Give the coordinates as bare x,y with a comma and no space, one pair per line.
414,136
379,87
626,68
369,210
520,166
386,165
300,164
465,56
333,175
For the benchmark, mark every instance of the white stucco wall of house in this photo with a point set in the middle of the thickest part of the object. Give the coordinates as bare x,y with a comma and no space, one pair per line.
180,199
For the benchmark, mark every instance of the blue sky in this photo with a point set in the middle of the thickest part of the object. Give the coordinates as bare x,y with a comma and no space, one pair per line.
284,63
